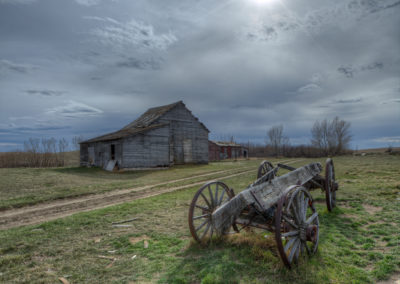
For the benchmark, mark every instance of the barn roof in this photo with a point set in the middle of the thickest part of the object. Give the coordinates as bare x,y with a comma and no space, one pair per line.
123,133
141,124
222,143
152,114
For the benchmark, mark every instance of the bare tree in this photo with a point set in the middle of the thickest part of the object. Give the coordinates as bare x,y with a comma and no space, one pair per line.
62,148
331,137
277,140
75,142
49,150
341,133
320,136
32,147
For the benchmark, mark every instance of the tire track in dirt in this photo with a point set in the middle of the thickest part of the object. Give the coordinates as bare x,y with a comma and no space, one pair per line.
88,197
48,211
53,210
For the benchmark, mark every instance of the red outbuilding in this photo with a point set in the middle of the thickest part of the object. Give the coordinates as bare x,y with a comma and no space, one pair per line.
218,150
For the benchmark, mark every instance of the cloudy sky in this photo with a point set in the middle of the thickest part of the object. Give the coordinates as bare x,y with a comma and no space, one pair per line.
88,67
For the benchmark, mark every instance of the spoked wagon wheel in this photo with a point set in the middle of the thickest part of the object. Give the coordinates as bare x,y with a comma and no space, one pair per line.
264,168
330,185
206,200
296,225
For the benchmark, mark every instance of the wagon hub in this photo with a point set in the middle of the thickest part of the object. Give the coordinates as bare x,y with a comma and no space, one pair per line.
335,186
307,232
312,233
303,231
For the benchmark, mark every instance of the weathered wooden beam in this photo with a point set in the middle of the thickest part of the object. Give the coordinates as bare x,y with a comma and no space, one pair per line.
267,194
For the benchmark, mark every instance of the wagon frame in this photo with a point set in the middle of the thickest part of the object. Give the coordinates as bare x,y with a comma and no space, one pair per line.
279,204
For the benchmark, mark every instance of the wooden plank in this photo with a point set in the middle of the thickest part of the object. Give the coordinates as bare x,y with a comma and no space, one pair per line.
267,193
110,165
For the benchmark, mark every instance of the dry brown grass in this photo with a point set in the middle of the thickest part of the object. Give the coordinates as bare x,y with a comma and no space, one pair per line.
38,160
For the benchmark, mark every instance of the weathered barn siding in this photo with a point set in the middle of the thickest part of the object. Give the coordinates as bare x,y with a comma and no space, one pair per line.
150,149
84,155
187,135
99,153
162,136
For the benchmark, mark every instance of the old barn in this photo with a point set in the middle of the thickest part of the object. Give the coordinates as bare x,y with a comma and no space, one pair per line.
160,137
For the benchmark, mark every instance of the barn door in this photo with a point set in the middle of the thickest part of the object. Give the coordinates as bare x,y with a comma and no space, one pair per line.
112,152
91,155
187,151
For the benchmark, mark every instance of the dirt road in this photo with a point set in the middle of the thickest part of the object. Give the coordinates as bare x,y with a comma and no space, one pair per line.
51,210
56,209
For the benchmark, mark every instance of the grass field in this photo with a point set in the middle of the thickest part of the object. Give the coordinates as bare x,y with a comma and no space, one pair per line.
27,186
359,240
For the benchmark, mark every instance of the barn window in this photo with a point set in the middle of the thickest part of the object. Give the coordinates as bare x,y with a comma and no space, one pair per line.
112,152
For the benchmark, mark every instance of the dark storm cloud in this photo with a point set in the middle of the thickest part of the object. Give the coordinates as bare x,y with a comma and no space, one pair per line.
348,71
47,93
240,67
136,63
22,129
374,6
391,101
349,101
372,66
16,1
7,65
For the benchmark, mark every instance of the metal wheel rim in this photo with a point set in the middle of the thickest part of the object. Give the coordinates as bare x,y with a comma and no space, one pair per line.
213,195
291,232
264,168
330,192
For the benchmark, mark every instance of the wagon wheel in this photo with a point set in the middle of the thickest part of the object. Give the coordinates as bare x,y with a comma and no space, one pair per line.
206,200
264,168
296,225
330,184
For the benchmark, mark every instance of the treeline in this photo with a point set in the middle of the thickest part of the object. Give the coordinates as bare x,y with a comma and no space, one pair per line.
329,138
39,153
290,151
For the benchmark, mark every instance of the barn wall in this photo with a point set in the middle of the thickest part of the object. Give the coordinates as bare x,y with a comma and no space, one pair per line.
150,149
84,155
187,136
102,153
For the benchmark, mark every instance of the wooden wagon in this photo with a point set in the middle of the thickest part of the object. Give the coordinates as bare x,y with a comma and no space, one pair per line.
280,204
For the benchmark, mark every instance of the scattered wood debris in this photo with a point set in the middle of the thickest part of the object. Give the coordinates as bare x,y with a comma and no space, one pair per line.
106,257
121,226
63,280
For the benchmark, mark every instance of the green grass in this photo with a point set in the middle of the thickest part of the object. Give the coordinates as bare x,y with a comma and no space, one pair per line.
27,186
359,240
